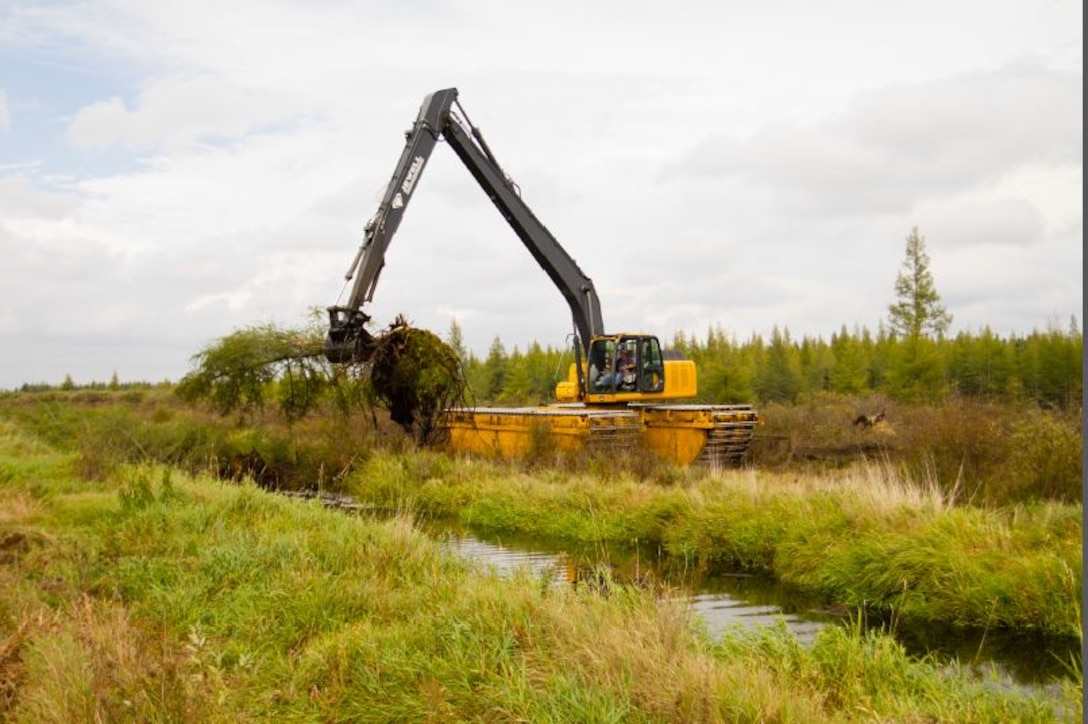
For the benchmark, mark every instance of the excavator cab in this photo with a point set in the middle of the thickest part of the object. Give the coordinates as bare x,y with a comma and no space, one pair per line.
625,363
626,368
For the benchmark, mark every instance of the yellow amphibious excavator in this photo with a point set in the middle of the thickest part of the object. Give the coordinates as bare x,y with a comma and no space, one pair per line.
614,394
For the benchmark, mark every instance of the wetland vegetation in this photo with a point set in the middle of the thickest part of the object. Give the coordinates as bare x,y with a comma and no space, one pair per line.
139,584
157,595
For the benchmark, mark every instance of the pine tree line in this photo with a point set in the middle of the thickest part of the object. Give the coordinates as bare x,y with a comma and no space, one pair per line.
1043,367
911,359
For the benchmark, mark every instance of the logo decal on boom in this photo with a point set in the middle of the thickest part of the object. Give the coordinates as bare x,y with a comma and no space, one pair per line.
398,201
413,175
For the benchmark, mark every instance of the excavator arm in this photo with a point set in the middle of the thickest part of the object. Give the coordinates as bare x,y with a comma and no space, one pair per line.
619,379
572,282
347,339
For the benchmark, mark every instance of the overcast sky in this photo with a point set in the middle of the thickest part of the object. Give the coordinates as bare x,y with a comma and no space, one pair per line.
170,172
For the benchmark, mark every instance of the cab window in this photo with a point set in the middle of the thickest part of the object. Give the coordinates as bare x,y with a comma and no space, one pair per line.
602,364
651,367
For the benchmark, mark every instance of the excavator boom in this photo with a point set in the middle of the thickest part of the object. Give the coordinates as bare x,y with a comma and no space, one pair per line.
614,389
348,339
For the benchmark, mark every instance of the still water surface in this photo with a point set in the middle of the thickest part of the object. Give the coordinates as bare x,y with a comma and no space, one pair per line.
725,601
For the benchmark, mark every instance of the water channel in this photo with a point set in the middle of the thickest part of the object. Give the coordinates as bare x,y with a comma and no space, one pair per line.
725,601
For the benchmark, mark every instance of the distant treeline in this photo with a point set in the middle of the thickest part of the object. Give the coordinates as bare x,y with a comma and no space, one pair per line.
69,384
1043,367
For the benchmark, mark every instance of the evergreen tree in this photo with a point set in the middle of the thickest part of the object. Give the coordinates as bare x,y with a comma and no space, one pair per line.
817,364
780,378
726,369
515,383
456,341
915,369
1051,364
980,365
495,369
543,371
850,374
917,310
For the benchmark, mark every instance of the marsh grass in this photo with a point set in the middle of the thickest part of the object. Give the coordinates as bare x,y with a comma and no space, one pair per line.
880,535
108,429
868,536
155,595
976,452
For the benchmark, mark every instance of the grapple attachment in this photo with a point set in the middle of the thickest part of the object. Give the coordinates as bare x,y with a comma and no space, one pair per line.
348,341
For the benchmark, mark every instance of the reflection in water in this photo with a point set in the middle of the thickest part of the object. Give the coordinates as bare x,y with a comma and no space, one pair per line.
722,603
729,601
507,560
725,611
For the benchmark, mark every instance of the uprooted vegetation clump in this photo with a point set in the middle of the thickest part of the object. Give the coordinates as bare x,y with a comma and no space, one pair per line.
411,373
416,376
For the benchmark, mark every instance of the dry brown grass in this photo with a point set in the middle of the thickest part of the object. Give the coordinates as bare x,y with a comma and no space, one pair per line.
17,505
88,661
12,672
976,451
881,488
646,650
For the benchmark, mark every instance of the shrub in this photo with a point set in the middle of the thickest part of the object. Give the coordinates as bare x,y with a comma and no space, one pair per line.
958,445
1045,460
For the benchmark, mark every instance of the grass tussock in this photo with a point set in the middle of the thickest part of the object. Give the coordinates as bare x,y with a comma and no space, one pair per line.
868,536
155,595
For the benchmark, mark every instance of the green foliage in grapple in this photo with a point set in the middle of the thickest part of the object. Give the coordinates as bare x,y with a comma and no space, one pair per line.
237,372
412,372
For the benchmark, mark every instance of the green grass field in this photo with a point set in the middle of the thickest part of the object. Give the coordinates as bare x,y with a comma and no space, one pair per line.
147,593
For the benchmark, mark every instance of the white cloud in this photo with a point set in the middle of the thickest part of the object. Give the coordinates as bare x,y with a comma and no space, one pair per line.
180,109
706,163
19,197
55,276
233,300
895,147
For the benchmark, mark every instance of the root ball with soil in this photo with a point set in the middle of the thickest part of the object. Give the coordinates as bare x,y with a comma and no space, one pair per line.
416,376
